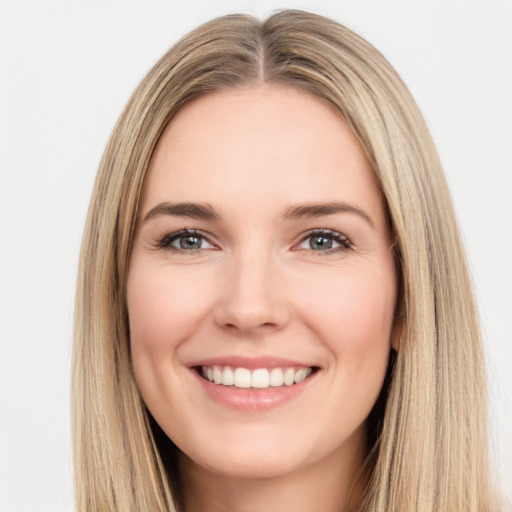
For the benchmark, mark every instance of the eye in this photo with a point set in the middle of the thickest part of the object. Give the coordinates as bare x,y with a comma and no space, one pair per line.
185,240
325,240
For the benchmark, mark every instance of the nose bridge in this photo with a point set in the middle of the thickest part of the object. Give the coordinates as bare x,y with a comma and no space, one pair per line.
252,296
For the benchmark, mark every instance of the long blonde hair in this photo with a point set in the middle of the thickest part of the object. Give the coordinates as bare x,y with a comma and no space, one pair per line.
428,449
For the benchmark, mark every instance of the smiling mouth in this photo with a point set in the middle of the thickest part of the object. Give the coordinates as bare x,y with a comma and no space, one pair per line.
259,378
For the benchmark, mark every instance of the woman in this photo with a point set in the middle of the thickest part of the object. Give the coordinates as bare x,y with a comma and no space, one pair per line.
269,310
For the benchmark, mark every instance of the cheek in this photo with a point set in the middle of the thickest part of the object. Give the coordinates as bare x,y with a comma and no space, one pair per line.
163,307
353,316
354,321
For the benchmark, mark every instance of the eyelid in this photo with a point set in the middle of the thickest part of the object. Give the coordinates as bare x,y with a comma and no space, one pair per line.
164,242
343,240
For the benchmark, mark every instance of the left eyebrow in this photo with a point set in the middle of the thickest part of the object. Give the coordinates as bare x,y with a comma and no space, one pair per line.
317,210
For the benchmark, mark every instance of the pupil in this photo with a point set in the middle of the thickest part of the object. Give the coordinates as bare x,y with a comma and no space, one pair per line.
190,242
320,242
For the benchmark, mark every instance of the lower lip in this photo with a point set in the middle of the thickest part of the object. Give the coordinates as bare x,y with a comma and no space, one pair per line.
254,399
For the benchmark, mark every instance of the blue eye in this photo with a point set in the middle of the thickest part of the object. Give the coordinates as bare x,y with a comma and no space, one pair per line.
320,242
185,240
325,240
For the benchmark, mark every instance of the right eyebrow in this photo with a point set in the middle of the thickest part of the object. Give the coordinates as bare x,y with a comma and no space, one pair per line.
202,211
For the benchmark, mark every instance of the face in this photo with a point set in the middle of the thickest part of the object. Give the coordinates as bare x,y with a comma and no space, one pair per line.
261,289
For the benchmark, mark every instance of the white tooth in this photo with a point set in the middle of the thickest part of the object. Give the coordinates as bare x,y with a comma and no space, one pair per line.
210,374
300,375
242,378
260,378
204,371
276,377
308,372
217,374
228,377
288,376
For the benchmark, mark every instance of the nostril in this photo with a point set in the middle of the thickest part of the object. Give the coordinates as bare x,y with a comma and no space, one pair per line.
248,310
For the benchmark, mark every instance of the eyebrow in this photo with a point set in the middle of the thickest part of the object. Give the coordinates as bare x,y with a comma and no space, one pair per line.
205,211
202,211
320,209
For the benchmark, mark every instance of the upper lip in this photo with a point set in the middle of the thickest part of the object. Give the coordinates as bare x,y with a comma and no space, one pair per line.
251,363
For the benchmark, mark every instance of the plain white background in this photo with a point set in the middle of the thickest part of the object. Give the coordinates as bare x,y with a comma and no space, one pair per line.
66,70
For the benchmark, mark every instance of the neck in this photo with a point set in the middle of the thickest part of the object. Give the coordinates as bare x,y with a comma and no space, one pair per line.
332,485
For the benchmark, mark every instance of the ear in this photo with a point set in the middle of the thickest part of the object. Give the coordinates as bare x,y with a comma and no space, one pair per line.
397,330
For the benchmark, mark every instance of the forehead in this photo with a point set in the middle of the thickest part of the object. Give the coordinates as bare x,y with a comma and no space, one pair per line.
263,146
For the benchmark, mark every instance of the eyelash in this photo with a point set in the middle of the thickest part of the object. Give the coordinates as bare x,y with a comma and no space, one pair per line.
344,243
166,241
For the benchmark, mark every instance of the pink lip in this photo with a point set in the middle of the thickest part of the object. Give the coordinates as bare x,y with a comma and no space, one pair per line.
251,363
253,400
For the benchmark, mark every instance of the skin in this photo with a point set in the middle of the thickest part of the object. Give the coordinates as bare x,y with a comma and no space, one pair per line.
257,287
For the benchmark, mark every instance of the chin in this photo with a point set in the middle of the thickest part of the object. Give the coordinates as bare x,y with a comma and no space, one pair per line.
240,464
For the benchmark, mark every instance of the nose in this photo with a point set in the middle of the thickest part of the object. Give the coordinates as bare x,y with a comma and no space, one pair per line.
253,298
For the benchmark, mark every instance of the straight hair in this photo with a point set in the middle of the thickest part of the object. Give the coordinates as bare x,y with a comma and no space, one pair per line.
427,436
